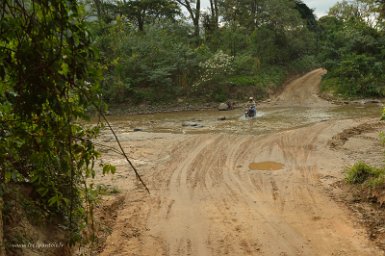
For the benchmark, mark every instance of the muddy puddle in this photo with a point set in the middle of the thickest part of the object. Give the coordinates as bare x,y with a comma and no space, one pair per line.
266,166
269,119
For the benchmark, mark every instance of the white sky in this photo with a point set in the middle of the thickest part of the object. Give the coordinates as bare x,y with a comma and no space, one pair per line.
320,7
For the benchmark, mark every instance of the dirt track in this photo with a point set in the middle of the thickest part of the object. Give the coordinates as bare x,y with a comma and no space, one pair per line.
303,90
206,199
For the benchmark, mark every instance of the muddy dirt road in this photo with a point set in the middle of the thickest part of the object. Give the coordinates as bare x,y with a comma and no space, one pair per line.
223,193
304,90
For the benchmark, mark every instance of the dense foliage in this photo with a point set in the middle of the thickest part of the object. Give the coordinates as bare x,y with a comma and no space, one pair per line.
353,49
165,52
48,79
179,49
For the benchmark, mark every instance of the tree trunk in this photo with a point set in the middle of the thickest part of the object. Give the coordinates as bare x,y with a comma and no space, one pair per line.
140,24
214,14
253,15
196,19
195,15
2,246
99,10
196,28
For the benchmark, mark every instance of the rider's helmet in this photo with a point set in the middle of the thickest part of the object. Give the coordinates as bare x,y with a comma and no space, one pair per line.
251,98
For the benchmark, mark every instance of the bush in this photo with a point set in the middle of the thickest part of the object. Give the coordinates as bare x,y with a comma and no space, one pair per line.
330,85
242,80
377,182
220,96
361,172
246,64
304,64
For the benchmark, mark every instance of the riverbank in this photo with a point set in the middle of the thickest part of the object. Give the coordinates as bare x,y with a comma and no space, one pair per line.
183,106
122,109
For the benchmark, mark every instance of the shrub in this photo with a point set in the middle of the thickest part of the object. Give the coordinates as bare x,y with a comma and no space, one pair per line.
304,63
377,182
246,64
243,80
216,68
361,172
330,85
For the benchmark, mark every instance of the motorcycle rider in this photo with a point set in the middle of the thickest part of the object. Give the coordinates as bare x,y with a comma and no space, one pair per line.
251,103
230,105
251,107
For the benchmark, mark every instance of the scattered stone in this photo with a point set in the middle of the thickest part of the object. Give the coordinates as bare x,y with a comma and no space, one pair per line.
192,124
367,101
372,101
189,123
138,129
222,118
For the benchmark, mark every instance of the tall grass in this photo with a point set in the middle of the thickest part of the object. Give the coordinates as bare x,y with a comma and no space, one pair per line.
362,173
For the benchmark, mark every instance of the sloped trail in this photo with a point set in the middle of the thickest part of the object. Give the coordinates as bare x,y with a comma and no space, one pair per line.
304,90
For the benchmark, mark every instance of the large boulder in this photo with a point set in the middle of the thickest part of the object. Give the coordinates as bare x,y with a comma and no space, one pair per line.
223,107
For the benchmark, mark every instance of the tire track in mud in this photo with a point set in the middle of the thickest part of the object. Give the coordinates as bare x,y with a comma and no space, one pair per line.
252,212
301,190
184,226
214,205
257,204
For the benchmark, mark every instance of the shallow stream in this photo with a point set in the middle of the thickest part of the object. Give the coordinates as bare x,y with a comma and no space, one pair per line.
269,119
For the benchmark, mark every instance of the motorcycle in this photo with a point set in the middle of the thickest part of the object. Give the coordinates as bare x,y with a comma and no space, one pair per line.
251,112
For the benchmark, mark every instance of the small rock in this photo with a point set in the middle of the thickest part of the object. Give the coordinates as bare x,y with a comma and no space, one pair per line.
222,118
189,123
138,129
372,101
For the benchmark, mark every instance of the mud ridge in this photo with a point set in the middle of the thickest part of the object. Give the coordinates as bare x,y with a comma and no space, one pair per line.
341,138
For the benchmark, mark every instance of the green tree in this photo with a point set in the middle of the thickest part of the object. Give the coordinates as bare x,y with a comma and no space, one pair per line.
307,14
48,80
141,12
359,10
353,50
155,66
169,58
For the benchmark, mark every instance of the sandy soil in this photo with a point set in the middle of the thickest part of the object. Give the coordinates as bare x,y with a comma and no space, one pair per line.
208,199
